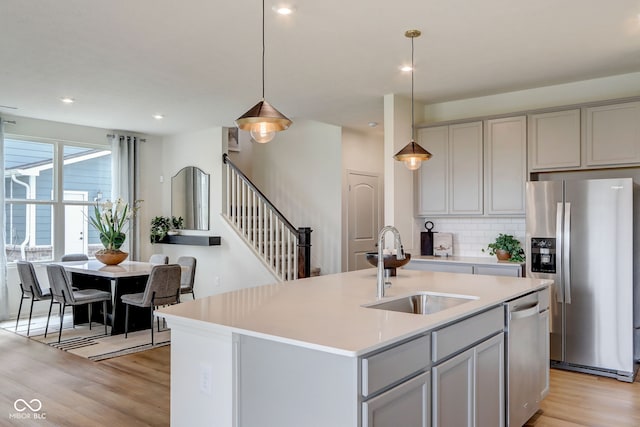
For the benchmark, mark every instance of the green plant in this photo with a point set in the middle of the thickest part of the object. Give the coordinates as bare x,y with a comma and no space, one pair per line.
507,243
177,223
110,220
160,225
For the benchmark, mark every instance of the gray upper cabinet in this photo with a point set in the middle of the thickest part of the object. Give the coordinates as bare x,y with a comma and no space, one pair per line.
451,182
506,165
554,140
612,134
433,189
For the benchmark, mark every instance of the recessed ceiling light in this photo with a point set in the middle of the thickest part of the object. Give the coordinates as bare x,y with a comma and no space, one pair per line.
158,116
67,100
406,68
283,10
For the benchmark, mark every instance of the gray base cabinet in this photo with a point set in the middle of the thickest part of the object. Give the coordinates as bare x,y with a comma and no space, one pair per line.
405,405
451,376
503,269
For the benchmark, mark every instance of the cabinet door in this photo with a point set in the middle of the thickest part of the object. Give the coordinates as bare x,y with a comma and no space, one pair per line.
453,391
612,134
506,165
489,388
433,181
554,140
465,168
404,405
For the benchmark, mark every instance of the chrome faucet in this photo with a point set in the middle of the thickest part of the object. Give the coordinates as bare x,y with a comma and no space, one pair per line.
399,255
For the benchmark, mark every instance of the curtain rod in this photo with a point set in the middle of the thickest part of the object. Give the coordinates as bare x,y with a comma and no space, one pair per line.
11,122
110,135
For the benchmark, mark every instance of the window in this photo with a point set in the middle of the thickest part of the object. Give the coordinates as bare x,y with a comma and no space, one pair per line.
50,188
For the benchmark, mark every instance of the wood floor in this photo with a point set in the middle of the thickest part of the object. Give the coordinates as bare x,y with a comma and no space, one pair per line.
133,390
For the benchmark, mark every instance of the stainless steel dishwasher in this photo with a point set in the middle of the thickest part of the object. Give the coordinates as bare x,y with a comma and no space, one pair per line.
527,355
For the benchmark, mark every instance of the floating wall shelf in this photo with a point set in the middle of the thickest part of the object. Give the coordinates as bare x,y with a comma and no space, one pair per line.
191,240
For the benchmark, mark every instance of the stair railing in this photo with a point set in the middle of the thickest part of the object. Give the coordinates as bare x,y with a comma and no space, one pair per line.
285,249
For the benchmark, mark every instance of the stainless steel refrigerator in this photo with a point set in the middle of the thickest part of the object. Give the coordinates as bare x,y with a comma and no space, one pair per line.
580,234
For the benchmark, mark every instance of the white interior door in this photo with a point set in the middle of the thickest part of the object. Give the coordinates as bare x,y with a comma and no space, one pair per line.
363,218
75,223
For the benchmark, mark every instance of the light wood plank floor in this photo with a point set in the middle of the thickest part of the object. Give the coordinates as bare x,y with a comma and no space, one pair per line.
133,390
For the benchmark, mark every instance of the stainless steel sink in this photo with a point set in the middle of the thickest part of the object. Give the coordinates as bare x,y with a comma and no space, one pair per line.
422,303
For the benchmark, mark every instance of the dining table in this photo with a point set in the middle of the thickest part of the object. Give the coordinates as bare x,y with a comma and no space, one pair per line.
128,277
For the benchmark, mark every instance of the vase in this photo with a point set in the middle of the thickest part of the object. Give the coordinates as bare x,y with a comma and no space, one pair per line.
503,255
111,257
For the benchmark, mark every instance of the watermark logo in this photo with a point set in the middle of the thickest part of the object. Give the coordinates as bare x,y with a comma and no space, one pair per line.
30,410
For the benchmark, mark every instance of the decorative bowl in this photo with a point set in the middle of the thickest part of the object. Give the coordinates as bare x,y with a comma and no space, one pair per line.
112,257
390,261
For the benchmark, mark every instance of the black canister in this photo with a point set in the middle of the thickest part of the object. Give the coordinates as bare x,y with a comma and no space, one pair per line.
426,240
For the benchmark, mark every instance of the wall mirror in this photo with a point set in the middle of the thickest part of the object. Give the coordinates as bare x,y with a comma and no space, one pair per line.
190,197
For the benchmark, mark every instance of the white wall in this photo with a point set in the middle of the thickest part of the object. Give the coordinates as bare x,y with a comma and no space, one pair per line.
300,172
361,153
621,86
220,268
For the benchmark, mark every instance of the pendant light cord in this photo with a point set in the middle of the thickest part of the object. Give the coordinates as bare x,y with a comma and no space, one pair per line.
263,50
412,117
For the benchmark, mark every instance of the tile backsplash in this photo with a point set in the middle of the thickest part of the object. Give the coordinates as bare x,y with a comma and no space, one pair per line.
471,235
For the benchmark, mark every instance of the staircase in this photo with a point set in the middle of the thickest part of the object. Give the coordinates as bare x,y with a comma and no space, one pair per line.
283,248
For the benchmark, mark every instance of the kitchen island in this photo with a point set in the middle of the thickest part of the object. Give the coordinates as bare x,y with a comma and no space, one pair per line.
311,352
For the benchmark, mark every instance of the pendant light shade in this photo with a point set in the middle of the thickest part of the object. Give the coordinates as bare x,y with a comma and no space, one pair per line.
412,154
263,120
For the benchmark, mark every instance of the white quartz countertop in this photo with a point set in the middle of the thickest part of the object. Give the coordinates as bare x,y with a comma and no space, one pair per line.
326,312
465,260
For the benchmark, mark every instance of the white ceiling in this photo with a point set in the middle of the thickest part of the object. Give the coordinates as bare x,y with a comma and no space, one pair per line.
198,62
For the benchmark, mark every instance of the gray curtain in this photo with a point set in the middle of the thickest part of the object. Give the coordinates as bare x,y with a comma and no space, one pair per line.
124,184
4,289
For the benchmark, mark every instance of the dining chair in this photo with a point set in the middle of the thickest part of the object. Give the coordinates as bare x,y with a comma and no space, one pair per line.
188,274
162,288
30,288
159,259
64,295
74,257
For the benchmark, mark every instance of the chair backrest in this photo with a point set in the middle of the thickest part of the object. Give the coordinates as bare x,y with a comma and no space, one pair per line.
74,257
163,285
61,289
159,259
28,279
188,273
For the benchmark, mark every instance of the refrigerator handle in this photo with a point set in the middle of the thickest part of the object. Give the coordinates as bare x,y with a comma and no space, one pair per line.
560,262
566,253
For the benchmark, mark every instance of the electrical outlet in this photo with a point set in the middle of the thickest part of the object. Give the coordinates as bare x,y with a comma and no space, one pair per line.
216,281
205,378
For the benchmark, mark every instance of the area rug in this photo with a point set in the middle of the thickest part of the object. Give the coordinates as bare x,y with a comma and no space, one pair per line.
92,344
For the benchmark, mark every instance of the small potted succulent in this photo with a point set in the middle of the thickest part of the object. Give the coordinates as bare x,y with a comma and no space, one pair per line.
506,248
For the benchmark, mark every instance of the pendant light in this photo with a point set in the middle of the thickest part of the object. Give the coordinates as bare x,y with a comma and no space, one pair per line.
412,154
263,120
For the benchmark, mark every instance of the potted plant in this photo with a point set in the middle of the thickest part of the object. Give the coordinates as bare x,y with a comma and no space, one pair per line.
506,248
110,220
176,225
160,226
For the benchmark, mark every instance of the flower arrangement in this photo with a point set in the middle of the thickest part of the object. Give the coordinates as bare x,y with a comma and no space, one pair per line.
110,219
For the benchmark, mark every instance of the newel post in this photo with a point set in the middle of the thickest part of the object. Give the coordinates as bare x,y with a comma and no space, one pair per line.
304,252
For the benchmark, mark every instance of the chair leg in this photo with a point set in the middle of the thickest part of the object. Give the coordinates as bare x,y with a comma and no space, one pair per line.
19,310
104,315
62,307
89,310
30,312
152,325
46,328
193,294
126,320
